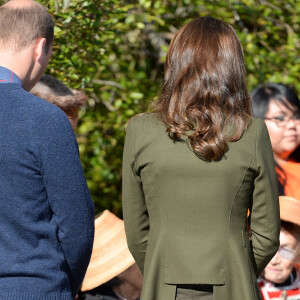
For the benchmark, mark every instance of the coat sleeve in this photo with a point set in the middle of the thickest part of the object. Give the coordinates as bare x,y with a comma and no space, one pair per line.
264,216
135,213
68,194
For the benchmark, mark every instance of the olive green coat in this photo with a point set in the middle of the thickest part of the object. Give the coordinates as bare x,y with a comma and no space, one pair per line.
185,218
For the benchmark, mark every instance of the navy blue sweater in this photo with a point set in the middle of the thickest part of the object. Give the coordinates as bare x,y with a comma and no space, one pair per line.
46,213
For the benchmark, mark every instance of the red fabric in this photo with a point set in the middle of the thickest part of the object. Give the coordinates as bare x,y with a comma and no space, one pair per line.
288,293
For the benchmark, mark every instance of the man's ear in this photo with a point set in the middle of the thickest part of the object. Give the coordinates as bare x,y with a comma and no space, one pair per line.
40,48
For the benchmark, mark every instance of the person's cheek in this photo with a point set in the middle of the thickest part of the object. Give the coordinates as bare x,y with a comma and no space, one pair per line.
287,268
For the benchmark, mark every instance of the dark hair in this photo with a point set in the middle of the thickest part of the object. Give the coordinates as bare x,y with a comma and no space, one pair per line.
56,92
23,25
263,94
292,228
205,87
48,83
285,95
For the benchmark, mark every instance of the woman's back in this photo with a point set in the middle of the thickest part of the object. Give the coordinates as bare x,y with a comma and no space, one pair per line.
197,209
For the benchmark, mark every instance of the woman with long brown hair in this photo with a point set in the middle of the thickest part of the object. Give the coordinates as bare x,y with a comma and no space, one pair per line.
191,171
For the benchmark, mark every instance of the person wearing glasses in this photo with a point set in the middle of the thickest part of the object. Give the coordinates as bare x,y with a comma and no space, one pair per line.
279,106
281,278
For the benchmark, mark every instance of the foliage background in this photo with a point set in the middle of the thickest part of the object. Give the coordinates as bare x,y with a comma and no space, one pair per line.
115,50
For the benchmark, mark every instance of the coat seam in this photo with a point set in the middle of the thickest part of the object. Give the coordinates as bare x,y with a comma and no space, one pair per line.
229,221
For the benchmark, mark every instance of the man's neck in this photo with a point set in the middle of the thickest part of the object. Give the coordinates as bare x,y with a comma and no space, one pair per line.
20,63
12,64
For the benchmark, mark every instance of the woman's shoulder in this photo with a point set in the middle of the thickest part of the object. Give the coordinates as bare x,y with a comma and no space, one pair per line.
259,123
146,128
145,117
257,127
256,123
252,127
145,120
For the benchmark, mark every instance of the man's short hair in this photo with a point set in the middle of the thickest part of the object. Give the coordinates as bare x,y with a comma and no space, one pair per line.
21,26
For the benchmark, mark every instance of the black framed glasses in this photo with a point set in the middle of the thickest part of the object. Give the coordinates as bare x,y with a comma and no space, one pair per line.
283,120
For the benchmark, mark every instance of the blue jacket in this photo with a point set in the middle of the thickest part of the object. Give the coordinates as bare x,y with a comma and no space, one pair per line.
46,214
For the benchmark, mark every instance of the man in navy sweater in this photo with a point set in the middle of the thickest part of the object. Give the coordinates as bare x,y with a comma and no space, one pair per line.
46,215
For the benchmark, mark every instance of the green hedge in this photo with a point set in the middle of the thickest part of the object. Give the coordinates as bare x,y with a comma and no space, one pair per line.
115,50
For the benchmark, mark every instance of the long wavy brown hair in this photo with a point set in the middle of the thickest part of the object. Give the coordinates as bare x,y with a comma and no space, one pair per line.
205,87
